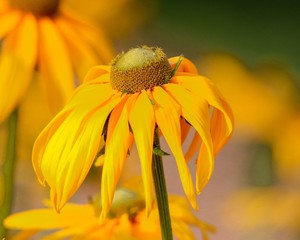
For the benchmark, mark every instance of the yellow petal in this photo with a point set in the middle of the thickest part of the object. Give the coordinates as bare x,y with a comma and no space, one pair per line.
167,115
142,123
8,21
182,230
194,146
185,128
203,87
116,150
46,219
81,53
196,111
185,66
17,63
220,131
96,73
65,150
55,65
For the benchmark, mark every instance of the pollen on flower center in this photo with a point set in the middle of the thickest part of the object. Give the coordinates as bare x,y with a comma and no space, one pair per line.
37,7
140,69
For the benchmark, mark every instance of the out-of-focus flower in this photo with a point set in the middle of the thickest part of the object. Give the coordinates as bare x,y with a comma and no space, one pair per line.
271,209
287,152
127,220
261,100
45,36
126,101
118,17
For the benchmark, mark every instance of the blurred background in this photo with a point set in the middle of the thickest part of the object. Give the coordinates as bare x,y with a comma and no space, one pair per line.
250,51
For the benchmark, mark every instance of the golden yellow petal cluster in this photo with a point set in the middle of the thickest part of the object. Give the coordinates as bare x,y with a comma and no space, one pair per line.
80,222
45,36
68,146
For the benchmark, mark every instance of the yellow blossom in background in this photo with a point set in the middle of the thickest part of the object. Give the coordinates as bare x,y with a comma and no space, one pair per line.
82,222
260,100
47,37
127,105
117,16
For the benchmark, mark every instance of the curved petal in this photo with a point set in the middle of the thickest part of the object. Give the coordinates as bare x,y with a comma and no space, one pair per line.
142,122
220,131
197,114
185,128
203,87
47,219
194,146
81,53
55,65
116,149
185,66
167,115
96,73
65,150
17,63
8,21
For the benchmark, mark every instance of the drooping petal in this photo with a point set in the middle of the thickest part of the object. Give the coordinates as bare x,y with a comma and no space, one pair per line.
116,150
8,21
185,66
95,73
64,152
197,114
142,123
203,87
167,115
56,69
194,146
46,219
220,131
185,128
82,55
17,62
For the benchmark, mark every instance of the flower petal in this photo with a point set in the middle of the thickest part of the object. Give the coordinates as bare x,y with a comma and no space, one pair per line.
65,150
185,66
185,128
116,150
167,115
8,21
56,69
17,63
96,72
194,146
220,131
142,123
196,111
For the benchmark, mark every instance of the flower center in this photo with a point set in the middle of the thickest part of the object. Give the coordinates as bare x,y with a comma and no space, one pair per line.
140,68
37,7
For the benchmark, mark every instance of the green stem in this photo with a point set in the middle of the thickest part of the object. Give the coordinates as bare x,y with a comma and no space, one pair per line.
8,171
161,192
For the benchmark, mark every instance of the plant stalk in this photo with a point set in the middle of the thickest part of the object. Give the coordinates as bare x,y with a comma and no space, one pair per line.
161,191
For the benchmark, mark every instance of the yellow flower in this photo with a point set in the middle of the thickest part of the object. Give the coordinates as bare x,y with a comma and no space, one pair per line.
44,36
81,222
126,102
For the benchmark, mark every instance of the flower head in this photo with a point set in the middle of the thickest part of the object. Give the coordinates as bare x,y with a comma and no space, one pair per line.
81,221
117,103
44,36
